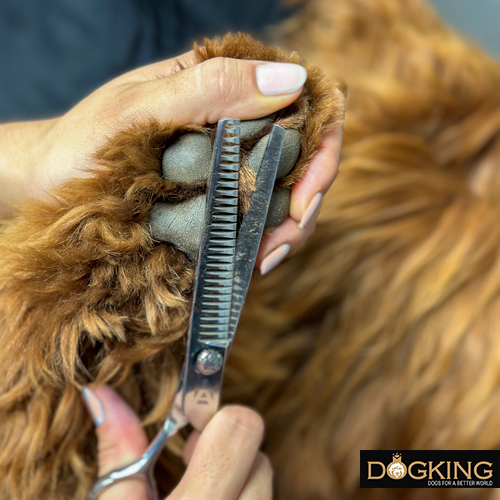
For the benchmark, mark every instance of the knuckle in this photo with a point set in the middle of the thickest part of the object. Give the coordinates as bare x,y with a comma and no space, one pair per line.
108,452
224,77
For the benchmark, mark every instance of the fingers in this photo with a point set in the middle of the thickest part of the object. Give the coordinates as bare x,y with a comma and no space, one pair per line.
216,88
259,485
283,241
319,176
306,200
190,446
223,457
121,439
169,222
223,461
220,87
189,160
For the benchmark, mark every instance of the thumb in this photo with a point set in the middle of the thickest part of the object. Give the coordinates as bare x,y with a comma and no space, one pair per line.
121,439
220,87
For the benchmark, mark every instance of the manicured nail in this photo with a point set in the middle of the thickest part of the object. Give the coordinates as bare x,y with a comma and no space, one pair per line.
280,78
311,210
94,405
274,258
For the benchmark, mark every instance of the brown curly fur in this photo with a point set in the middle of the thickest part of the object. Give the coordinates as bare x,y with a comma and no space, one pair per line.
86,295
382,332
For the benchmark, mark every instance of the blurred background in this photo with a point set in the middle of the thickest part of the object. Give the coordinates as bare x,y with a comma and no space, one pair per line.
477,19
55,52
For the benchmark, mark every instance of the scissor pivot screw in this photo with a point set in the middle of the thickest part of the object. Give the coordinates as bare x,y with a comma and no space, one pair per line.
208,362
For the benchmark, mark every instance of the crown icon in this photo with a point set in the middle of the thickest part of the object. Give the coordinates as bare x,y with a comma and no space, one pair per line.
396,469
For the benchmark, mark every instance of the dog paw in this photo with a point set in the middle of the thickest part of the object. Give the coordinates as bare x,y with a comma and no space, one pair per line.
188,161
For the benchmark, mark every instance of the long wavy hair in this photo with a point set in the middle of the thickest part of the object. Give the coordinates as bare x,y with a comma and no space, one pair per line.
382,332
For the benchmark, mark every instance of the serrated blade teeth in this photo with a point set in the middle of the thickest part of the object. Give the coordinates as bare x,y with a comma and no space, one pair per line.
214,322
229,157
232,140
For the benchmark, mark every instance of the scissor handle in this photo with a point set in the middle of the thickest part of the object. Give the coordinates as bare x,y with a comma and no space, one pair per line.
142,468
134,470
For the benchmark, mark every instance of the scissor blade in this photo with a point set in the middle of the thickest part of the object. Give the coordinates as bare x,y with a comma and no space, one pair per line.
216,262
252,226
209,334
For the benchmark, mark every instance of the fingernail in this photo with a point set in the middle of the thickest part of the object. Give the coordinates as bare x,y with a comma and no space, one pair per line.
274,258
280,78
94,405
311,210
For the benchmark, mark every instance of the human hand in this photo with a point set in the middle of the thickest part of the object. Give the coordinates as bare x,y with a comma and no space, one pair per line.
201,94
223,462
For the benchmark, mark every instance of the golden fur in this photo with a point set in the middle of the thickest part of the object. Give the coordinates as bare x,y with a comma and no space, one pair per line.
382,332
86,295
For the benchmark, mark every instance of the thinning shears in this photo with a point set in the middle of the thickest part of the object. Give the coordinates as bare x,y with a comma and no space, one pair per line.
225,265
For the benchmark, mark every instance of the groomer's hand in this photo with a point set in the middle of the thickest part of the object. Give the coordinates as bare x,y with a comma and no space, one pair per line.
35,156
223,462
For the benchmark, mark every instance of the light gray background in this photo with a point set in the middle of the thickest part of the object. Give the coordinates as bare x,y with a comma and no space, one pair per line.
477,19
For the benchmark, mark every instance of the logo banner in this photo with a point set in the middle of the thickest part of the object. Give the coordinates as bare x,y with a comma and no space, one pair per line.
430,469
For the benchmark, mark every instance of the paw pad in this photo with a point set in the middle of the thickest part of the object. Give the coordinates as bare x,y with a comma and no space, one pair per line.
188,161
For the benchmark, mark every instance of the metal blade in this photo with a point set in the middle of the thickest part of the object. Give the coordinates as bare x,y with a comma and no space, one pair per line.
216,260
209,334
252,227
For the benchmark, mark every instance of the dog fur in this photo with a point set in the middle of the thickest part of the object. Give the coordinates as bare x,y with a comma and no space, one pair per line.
380,333
87,295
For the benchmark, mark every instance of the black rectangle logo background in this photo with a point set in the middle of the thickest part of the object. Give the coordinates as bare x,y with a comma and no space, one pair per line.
436,456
